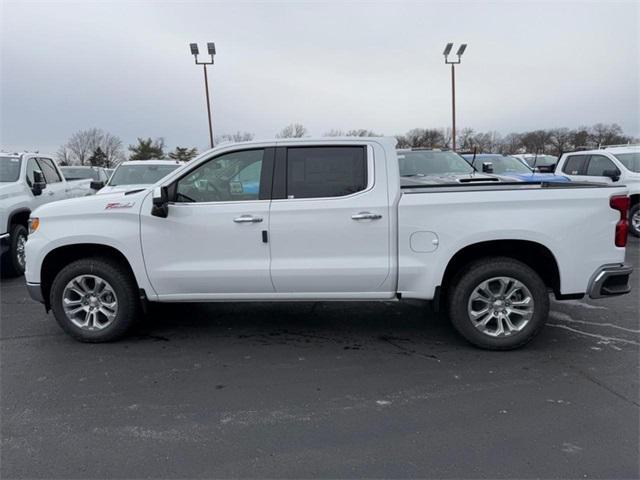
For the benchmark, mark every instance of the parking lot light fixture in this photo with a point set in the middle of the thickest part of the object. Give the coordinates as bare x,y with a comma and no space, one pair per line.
211,50
453,63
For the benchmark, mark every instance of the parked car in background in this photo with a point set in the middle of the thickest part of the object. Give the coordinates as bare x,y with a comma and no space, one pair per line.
97,175
433,166
138,174
508,166
109,171
541,163
28,180
619,165
331,220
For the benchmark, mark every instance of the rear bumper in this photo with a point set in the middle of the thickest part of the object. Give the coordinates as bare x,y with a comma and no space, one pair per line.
35,292
610,280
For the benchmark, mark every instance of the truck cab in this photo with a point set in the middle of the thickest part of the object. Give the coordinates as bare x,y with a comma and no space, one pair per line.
616,165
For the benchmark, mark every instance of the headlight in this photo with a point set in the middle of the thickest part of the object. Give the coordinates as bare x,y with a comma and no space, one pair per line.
34,223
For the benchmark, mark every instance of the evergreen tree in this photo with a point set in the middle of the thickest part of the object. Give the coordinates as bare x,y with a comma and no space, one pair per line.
183,154
146,149
98,158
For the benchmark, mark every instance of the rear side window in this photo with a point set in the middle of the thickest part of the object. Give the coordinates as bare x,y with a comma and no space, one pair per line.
575,164
598,164
51,174
320,172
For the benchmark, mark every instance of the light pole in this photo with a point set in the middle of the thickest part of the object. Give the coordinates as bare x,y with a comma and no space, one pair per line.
447,51
211,49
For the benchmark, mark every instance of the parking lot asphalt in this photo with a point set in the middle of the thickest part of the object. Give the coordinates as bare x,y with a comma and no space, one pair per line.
320,390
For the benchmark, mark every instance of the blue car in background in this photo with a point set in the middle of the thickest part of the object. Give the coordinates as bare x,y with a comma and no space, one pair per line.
507,166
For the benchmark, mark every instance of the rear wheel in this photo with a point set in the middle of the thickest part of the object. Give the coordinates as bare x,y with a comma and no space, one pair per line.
498,303
94,300
14,261
634,220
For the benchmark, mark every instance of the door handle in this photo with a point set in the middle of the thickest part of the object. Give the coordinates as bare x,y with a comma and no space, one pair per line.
366,216
247,219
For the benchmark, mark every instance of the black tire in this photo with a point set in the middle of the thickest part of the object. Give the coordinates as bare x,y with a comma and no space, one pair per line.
634,211
11,264
123,285
465,283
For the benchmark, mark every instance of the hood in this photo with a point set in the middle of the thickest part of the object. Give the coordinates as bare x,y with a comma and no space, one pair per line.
92,205
471,178
121,188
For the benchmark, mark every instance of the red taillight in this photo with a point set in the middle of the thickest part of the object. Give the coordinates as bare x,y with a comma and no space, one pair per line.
621,203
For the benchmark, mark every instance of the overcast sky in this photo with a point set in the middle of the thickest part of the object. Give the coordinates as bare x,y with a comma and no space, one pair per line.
125,67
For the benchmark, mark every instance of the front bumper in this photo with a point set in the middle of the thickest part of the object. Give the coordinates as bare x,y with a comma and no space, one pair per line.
610,280
35,292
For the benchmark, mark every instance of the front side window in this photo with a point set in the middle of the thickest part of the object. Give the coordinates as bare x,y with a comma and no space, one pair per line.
51,174
598,164
320,172
631,161
33,166
574,164
231,177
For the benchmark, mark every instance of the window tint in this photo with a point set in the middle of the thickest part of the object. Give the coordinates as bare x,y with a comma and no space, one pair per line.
574,165
598,164
314,172
32,166
51,175
227,178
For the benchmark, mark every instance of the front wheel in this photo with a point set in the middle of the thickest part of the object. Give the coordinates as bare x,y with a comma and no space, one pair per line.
94,300
14,260
634,220
498,303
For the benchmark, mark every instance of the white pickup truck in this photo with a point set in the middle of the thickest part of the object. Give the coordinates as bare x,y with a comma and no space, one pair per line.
618,165
324,220
28,180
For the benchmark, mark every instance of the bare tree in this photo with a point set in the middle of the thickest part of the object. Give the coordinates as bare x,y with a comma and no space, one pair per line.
63,156
607,134
334,133
82,144
466,138
112,148
235,137
402,142
294,130
560,140
511,144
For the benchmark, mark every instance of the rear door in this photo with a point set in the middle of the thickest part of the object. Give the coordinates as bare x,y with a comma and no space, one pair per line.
329,221
575,167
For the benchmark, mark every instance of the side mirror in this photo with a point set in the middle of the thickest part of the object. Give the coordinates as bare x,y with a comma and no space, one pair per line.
614,175
160,202
487,167
96,185
38,183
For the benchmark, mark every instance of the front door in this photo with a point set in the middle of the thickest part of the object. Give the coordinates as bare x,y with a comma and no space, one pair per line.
329,230
212,242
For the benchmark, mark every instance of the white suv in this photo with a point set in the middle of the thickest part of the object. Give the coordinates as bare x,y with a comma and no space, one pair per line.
614,164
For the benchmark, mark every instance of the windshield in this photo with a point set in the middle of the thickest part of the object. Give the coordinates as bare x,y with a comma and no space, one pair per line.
631,161
430,162
77,173
505,164
9,169
542,160
140,174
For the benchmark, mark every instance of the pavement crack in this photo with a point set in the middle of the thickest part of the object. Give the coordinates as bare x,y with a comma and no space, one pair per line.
604,386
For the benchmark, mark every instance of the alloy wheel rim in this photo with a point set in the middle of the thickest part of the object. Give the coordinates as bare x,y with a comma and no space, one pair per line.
90,302
635,221
500,306
20,250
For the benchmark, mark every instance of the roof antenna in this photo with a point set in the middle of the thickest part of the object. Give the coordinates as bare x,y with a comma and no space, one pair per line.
535,159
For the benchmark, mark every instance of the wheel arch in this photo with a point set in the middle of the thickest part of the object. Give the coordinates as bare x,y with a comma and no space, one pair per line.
533,254
20,217
61,256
